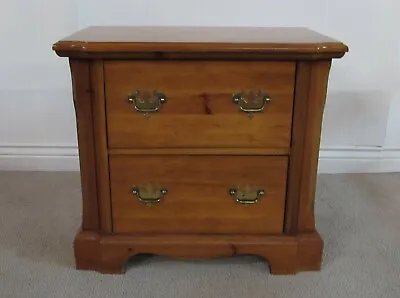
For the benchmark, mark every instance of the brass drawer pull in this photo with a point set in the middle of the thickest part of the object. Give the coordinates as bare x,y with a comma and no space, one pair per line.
247,194
251,102
149,194
147,101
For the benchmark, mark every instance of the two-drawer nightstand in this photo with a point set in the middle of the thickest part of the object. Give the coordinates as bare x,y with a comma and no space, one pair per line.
199,142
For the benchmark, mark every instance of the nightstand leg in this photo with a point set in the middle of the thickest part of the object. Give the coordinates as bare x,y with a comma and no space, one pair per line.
310,250
91,255
284,254
282,264
304,255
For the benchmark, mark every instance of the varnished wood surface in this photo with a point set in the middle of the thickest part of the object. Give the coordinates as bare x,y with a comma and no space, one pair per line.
198,199
82,96
100,143
176,34
199,112
303,71
284,41
199,145
199,151
311,82
312,134
285,255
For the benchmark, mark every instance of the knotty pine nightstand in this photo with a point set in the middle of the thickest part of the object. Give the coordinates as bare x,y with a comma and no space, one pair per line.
199,142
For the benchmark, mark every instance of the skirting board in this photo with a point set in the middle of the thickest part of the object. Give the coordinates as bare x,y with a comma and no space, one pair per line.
332,160
39,158
359,160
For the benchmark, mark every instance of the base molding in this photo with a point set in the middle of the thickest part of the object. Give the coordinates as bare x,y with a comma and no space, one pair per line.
359,160
285,254
31,157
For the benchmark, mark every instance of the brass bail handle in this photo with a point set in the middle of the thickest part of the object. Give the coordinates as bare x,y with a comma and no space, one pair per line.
251,102
149,194
147,101
246,194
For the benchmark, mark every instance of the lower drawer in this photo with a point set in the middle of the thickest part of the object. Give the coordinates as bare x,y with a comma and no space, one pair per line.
198,194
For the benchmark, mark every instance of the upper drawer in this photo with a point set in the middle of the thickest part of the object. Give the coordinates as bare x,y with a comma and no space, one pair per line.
199,110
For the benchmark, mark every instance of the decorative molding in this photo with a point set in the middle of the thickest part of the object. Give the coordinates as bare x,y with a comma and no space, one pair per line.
38,158
359,160
331,160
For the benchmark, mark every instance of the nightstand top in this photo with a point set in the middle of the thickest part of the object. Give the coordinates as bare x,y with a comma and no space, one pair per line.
272,42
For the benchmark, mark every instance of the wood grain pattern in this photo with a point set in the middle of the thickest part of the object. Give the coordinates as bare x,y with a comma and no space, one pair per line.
199,145
199,111
100,143
199,151
198,199
299,123
80,73
286,255
309,251
266,41
311,84
315,107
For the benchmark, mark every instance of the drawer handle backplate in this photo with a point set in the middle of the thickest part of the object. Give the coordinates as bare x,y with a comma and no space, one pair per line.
252,101
149,194
147,101
246,194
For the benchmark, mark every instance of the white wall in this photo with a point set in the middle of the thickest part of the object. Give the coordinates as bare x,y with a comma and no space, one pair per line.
361,129
36,111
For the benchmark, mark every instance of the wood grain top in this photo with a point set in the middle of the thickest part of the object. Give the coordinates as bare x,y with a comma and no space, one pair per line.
104,41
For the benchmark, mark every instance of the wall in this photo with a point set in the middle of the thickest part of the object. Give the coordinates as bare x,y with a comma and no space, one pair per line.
37,126
361,129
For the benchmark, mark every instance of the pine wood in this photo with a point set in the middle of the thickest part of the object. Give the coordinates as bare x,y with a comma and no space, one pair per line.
194,42
311,82
297,146
80,75
100,144
198,199
315,106
285,254
200,100
199,151
199,144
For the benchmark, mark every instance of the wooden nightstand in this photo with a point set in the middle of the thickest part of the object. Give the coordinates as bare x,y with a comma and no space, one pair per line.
199,142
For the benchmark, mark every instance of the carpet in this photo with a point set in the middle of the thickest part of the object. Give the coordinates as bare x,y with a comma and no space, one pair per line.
357,216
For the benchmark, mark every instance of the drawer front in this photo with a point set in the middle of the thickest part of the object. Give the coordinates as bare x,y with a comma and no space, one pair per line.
199,110
204,194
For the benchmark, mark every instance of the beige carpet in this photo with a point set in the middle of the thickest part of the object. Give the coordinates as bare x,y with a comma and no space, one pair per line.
357,215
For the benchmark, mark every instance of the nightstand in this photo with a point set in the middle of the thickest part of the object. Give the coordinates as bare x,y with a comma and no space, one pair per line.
199,142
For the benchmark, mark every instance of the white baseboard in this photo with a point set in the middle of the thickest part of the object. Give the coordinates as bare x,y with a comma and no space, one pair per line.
332,160
359,160
39,158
